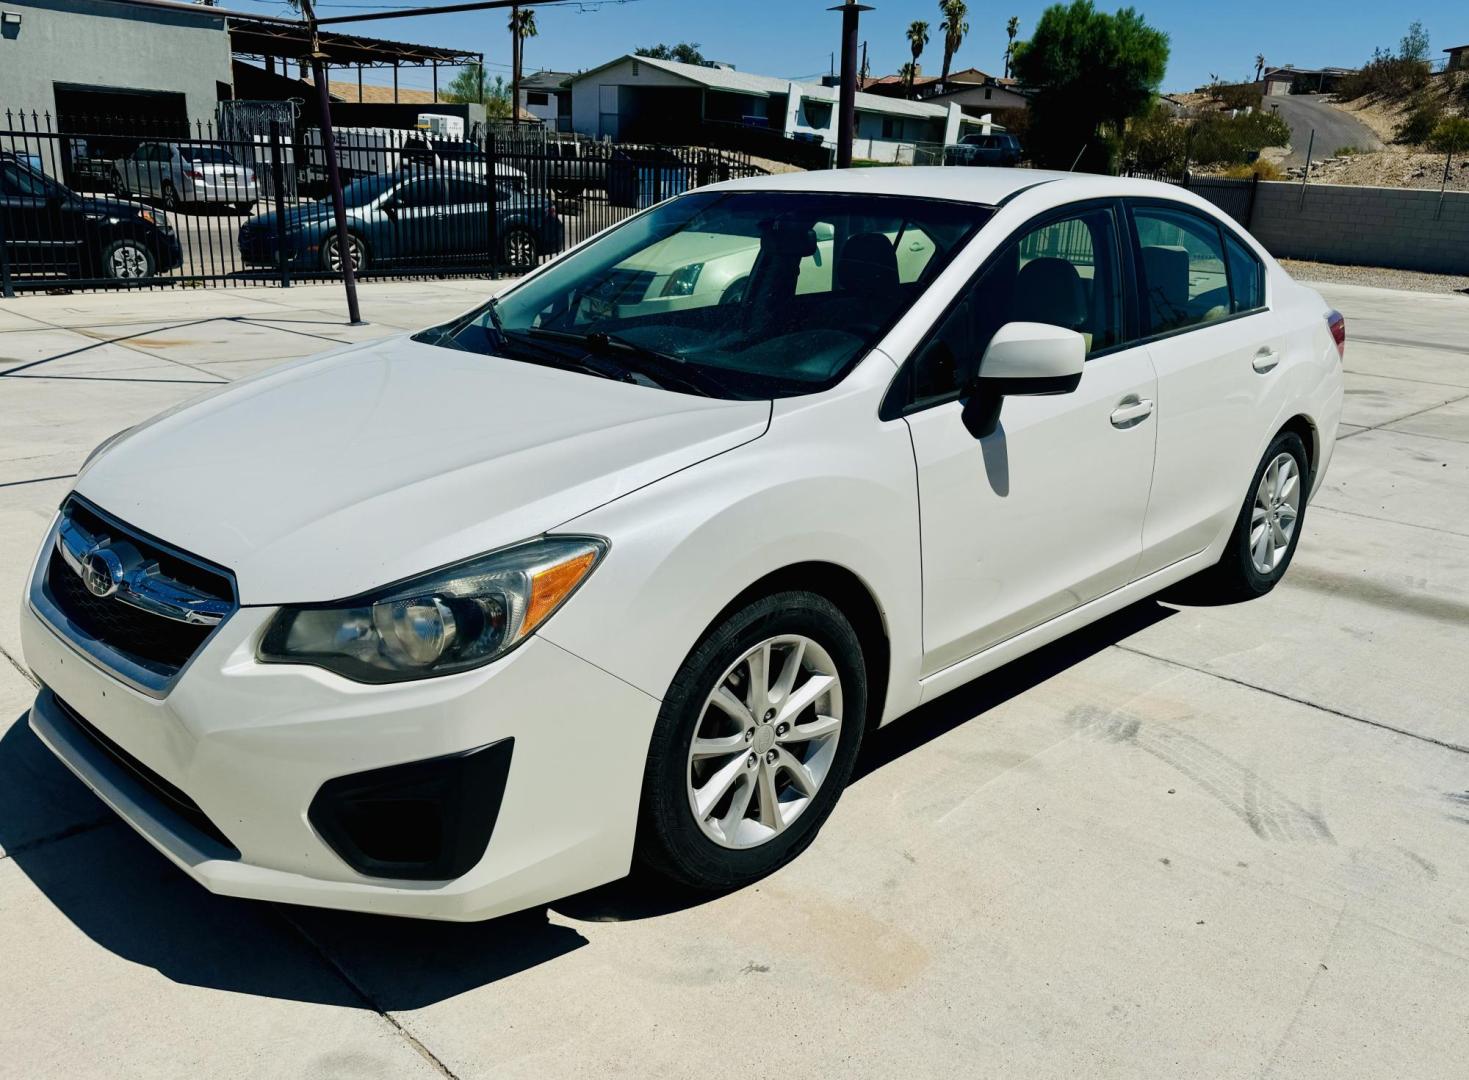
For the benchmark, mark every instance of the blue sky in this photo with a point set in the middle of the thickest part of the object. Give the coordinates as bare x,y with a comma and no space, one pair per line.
790,38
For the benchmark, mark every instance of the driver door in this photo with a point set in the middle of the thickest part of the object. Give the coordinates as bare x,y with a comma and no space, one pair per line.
417,215
1045,513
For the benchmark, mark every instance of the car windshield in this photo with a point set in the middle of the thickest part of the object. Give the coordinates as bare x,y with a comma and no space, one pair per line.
17,178
208,155
736,293
365,189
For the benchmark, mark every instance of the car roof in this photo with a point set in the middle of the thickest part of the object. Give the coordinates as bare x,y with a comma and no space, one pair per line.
985,186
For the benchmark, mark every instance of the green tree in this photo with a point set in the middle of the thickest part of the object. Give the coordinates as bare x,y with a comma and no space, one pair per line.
1089,73
953,26
1259,65
465,87
1011,29
917,39
522,25
1414,45
685,52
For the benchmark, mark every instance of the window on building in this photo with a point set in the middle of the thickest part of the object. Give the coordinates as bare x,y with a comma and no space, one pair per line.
537,97
889,127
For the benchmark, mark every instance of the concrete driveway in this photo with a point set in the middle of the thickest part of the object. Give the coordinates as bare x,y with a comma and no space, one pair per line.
1191,841
1334,128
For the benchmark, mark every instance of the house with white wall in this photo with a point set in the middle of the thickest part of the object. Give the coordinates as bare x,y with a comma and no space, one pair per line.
636,98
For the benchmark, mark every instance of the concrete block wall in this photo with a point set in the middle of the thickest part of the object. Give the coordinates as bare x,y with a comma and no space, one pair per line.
1401,228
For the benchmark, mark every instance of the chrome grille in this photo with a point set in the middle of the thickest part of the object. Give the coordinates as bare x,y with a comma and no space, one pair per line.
133,604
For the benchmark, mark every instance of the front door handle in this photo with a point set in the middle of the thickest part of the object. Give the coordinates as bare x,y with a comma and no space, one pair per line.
1132,412
1266,359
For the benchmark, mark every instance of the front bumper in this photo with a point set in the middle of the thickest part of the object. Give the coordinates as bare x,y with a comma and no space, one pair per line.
251,745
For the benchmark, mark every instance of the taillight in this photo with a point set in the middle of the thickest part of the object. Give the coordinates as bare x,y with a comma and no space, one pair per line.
194,174
1338,324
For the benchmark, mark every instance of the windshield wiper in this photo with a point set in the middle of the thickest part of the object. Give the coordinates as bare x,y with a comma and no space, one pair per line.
668,371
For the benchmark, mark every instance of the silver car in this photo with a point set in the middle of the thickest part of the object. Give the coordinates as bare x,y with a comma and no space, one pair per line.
178,174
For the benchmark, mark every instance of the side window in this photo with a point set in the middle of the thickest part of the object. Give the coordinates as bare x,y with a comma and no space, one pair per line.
462,192
1063,273
418,193
1183,278
1246,275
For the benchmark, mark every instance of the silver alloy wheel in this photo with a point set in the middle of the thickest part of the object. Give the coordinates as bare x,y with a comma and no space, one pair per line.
128,260
765,741
170,198
1277,508
522,248
334,253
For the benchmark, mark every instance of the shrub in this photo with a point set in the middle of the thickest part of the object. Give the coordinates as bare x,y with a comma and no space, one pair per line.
1391,77
1237,95
1418,125
1265,170
1450,136
1224,140
1156,142
1347,151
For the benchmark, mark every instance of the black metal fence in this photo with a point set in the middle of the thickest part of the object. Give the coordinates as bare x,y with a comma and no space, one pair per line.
92,203
1235,197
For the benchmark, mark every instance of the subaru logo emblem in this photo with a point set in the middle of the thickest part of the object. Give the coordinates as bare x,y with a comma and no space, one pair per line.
102,572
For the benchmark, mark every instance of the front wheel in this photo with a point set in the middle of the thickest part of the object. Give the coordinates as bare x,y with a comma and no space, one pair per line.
755,740
331,253
1269,524
127,260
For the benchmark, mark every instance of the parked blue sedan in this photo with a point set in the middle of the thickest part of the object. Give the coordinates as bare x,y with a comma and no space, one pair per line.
429,221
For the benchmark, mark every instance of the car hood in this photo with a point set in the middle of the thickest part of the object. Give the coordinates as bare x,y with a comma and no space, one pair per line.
295,217
112,208
338,474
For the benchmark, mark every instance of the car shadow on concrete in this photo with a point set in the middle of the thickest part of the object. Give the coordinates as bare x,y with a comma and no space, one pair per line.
128,899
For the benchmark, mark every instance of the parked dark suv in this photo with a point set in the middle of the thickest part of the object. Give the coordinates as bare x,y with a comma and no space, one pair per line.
47,229
984,150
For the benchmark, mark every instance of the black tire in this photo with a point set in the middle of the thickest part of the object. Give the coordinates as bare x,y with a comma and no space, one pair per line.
670,840
1235,576
127,259
119,185
356,246
521,248
170,197
734,292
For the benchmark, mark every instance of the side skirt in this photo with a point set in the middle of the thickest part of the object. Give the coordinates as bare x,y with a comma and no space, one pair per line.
982,663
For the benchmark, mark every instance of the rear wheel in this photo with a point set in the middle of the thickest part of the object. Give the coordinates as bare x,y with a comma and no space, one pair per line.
170,197
1269,524
754,743
119,185
521,248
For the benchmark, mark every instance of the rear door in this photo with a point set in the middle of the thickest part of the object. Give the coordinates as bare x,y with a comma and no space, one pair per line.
468,217
1045,513
1215,344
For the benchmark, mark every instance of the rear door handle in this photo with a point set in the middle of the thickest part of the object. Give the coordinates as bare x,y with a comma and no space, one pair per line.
1131,413
1266,359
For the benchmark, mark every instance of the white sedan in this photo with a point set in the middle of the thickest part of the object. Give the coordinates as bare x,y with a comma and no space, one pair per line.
453,624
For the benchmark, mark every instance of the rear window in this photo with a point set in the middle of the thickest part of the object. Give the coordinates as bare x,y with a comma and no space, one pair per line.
1246,275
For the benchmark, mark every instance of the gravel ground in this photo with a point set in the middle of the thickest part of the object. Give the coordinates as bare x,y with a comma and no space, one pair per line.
1376,275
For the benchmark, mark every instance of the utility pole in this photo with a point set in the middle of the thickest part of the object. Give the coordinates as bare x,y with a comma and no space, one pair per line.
333,174
515,68
847,106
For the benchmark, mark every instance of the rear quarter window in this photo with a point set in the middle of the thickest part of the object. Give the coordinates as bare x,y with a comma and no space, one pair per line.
1246,275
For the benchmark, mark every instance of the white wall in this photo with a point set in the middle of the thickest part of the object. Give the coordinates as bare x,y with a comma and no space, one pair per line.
97,43
586,91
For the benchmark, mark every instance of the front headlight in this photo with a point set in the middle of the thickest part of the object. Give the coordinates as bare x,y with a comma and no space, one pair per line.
683,280
448,620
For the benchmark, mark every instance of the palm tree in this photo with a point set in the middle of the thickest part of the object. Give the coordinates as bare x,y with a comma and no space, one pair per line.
1259,65
1011,29
917,39
522,26
953,26
905,73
